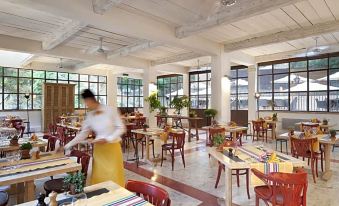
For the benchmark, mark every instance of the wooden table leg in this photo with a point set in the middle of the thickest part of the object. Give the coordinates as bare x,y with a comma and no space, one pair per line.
29,191
147,147
328,173
196,129
228,183
189,130
20,195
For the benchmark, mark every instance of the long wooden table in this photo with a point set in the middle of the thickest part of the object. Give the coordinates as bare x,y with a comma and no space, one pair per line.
233,130
328,143
23,177
232,164
192,123
115,191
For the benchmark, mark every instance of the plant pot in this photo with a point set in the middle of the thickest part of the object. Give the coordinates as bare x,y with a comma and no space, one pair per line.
14,142
25,154
72,189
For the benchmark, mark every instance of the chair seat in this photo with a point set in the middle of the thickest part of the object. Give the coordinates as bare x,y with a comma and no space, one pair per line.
3,198
55,185
169,146
265,193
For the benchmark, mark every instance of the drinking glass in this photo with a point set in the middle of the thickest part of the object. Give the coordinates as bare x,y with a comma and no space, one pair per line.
79,199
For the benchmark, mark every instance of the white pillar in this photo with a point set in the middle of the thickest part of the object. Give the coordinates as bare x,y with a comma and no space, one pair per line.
220,87
149,81
111,89
186,85
252,88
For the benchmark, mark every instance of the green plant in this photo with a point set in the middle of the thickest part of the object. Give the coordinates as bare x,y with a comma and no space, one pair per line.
211,113
290,128
163,110
325,122
179,103
192,114
77,180
275,116
145,126
333,132
153,101
26,146
218,140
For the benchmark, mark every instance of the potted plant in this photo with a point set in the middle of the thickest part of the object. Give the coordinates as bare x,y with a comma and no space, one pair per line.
153,101
179,103
145,126
275,117
163,111
325,122
14,140
25,149
74,183
333,134
291,130
218,141
193,114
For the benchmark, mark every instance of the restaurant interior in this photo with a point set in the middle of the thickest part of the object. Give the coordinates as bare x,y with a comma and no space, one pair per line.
203,102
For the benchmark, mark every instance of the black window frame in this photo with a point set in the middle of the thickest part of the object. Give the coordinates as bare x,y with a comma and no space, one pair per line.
161,85
206,96
237,93
128,85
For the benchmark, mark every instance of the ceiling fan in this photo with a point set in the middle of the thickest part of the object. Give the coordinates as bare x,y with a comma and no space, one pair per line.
313,51
98,49
219,6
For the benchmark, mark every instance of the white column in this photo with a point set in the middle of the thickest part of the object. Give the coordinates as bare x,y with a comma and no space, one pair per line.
220,87
186,90
149,81
111,89
252,88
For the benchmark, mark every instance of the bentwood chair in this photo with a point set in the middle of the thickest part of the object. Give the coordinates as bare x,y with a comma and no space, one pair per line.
282,189
51,131
178,143
151,193
259,129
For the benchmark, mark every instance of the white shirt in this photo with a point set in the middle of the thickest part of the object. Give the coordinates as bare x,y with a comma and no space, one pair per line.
105,122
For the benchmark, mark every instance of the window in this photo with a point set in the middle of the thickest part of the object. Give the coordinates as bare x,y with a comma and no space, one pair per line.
130,92
169,86
304,84
239,88
200,89
15,83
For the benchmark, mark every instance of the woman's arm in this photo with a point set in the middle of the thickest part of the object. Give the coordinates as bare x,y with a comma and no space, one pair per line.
81,136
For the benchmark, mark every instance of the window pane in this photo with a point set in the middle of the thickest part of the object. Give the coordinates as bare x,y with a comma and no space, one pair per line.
280,101
280,68
1,71
298,81
73,77
83,77
234,102
62,82
0,101
11,72
76,101
76,87
37,101
334,79
202,88
37,86
180,78
25,85
194,101
265,69
160,81
318,101
334,101
314,83
10,85
265,83
243,85
234,86
174,79
193,77
62,76
298,66
83,85
25,73
93,78
233,74
102,79
94,88
23,102
265,101
316,64
102,99
334,62
298,101
243,101
242,72
167,80
51,75
281,83
202,77
1,85
10,101
202,102
38,74
130,101
102,88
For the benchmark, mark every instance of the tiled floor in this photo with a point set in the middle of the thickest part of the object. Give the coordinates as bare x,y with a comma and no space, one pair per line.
194,185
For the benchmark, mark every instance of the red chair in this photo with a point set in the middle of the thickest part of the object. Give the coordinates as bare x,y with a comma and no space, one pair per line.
283,189
235,172
304,148
57,185
212,132
51,131
178,143
22,130
151,193
51,143
259,128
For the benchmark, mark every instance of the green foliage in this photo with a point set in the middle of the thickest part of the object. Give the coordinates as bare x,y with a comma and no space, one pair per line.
163,110
180,102
333,132
153,101
210,112
26,146
192,114
76,179
325,122
290,128
218,140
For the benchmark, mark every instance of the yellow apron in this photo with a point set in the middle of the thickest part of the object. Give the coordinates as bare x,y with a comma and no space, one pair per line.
108,164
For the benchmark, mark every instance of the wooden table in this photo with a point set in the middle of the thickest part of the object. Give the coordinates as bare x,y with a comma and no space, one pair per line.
24,182
5,147
233,130
328,144
323,127
96,200
273,126
69,127
231,164
192,123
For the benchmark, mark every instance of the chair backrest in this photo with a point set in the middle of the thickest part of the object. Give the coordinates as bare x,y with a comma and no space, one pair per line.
258,125
291,186
305,126
52,129
213,131
22,130
83,159
140,121
178,139
151,193
61,135
302,147
51,143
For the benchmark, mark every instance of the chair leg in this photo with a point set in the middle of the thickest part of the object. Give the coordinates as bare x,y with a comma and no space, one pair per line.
183,157
316,167
172,155
162,157
218,176
238,178
248,183
312,169
153,150
286,147
322,161
281,147
256,200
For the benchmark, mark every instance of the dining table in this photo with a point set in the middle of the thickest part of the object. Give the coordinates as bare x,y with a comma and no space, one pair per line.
5,144
7,131
21,174
323,127
70,126
328,143
233,130
101,194
273,127
243,158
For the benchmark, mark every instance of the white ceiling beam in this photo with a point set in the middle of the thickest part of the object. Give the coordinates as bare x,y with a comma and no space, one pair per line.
243,9
284,36
122,22
62,34
176,58
34,47
83,65
101,6
28,61
125,51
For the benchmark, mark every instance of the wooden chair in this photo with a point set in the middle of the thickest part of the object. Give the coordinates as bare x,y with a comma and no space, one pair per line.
57,185
22,130
212,132
4,197
283,189
51,131
304,148
258,128
235,172
178,143
304,126
151,193
51,143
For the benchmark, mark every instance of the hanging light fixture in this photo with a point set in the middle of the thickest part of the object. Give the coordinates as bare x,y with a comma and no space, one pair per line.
228,2
60,65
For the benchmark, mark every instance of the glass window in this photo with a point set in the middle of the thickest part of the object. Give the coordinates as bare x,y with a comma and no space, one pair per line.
317,64
239,88
168,87
200,89
25,73
265,70
10,101
280,68
51,75
10,72
334,62
265,83
38,74
62,76
129,92
73,77
298,66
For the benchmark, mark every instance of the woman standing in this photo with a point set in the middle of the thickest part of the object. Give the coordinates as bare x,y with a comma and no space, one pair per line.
108,127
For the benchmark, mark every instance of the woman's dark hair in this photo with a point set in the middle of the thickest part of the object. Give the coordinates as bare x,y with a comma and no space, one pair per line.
87,94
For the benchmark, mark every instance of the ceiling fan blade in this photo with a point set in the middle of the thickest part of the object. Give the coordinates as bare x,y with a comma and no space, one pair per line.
92,50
